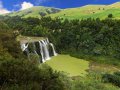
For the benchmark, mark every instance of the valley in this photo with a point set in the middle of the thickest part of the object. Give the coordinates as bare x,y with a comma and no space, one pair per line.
46,48
70,65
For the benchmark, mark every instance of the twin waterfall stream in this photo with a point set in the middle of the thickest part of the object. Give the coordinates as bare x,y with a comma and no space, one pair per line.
43,48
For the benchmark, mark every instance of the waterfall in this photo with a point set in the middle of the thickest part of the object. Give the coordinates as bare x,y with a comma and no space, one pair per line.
24,47
41,51
44,46
46,51
54,52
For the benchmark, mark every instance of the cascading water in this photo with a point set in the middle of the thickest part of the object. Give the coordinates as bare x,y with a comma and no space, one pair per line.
43,49
24,47
54,52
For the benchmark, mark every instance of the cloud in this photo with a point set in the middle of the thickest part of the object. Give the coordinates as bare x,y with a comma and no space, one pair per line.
26,5
2,9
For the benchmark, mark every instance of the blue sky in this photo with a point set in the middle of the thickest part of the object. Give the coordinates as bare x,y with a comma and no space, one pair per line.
7,6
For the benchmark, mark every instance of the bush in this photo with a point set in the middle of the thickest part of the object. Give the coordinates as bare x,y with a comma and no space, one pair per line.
114,79
10,45
24,75
110,16
93,81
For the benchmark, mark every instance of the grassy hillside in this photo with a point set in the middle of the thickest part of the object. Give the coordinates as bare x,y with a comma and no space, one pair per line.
71,65
36,11
90,11
77,13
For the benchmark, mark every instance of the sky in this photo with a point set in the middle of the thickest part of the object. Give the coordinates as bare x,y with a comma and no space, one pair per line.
7,6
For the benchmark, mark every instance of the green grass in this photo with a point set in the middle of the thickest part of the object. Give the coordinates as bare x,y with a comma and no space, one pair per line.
70,65
100,59
34,12
84,13
78,13
88,11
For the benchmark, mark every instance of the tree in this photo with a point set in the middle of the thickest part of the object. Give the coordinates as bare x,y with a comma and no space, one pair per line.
25,75
110,16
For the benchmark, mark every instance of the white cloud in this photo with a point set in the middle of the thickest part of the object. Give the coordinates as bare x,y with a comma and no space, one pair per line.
2,9
26,5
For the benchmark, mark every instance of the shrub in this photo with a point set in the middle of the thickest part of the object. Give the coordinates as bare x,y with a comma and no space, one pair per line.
110,16
24,75
114,79
93,81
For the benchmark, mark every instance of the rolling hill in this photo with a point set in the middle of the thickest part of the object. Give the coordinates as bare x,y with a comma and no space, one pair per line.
88,11
36,11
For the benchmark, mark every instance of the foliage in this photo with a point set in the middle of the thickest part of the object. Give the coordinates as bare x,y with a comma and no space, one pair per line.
93,37
93,81
100,59
10,45
87,39
114,79
19,74
110,16
34,58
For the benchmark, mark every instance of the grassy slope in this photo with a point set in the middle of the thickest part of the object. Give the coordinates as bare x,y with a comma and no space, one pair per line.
76,13
93,11
33,12
71,65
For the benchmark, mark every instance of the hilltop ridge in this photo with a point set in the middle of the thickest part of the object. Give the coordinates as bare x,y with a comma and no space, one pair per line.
36,11
87,11
90,11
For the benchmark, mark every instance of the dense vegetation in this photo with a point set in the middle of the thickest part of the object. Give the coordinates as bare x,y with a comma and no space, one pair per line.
90,36
17,73
114,79
89,39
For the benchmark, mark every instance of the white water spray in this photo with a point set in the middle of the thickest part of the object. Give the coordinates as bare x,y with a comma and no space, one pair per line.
46,51
44,46
41,51
54,52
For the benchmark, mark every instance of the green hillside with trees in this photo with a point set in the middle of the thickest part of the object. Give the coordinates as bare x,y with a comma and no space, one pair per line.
88,45
94,40
37,12
88,11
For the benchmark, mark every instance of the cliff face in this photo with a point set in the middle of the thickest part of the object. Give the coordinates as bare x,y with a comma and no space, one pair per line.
42,48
